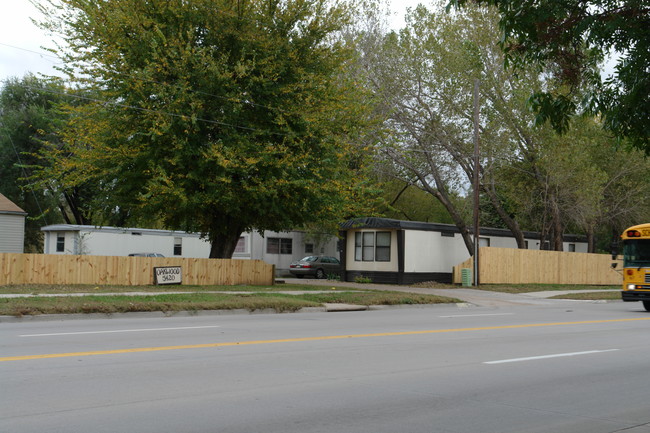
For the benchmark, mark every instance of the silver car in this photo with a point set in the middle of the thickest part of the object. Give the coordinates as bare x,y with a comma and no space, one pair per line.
318,266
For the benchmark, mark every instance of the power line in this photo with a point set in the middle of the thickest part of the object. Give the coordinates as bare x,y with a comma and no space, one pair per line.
40,53
22,168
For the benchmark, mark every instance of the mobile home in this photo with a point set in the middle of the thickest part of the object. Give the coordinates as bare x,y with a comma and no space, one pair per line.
405,252
276,248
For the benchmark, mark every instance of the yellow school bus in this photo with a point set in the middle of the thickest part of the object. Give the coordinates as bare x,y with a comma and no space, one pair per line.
636,264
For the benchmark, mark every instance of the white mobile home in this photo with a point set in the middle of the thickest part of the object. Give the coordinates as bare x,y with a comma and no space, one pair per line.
12,227
405,252
276,248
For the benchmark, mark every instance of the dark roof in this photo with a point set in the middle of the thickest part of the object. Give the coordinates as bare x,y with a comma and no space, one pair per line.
7,206
387,223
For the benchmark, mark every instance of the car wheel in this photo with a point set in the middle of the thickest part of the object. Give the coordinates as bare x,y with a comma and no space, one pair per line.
646,305
320,274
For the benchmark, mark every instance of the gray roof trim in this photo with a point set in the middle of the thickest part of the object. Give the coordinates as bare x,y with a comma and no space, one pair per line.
108,229
387,223
8,212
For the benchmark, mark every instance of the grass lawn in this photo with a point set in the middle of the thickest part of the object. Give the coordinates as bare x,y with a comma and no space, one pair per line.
523,288
201,298
592,296
107,299
35,289
527,288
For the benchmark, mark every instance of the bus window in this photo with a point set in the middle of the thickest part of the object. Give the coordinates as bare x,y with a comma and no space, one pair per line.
636,253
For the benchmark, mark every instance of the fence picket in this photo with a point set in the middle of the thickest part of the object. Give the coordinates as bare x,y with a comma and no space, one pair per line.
117,270
515,266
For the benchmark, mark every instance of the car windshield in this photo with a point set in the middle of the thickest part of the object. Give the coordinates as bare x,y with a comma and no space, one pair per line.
636,253
309,259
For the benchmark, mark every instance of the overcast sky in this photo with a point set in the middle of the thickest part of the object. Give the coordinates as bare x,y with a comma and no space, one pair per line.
21,41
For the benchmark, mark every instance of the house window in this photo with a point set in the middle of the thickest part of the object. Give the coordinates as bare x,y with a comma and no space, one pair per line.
383,247
368,246
372,246
526,244
483,242
447,234
279,246
178,246
241,245
60,242
309,248
572,248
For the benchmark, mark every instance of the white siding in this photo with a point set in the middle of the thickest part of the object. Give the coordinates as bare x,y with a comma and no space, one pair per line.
12,233
501,242
427,251
122,244
110,243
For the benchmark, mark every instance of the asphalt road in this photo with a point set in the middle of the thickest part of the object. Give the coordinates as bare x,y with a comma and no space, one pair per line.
558,367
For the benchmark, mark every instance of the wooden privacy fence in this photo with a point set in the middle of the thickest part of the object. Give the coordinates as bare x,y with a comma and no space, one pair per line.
515,266
128,271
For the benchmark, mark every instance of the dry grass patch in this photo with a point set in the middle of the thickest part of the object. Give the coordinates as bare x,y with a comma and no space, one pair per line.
592,296
110,304
36,289
378,298
163,303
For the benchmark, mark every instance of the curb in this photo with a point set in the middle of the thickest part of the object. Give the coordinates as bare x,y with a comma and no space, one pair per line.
327,308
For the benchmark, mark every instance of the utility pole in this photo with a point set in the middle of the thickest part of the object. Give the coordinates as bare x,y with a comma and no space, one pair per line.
476,184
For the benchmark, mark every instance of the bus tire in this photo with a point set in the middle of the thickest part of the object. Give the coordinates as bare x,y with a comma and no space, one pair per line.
646,305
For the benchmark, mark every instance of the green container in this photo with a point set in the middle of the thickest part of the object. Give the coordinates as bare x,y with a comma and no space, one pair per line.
466,277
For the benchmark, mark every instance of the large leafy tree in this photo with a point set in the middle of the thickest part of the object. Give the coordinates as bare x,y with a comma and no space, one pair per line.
30,117
215,116
566,36
531,177
424,77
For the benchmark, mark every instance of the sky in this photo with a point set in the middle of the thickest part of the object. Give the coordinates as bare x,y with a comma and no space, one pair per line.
21,40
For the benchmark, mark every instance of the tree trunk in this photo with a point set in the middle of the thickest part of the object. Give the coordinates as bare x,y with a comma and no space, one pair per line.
558,229
444,199
591,244
222,246
510,222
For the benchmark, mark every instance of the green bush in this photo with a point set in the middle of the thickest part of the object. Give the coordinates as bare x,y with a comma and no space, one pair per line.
362,279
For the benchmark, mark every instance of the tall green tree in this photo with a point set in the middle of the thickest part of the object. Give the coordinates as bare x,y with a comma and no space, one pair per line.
215,116
424,77
30,117
565,37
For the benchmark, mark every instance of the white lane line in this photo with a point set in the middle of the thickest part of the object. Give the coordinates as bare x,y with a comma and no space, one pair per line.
478,315
557,355
118,331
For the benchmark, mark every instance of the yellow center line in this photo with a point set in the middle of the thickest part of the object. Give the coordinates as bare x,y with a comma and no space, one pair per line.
294,340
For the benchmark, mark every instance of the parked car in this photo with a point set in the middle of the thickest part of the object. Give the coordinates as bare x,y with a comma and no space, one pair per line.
146,255
318,266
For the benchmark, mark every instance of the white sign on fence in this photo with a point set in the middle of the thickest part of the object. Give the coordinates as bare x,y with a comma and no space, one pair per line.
167,275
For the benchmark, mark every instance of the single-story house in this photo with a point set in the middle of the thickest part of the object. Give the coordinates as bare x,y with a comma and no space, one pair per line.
405,252
276,248
12,227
